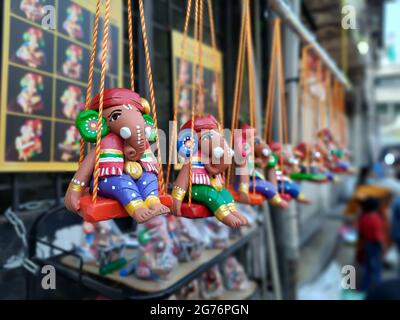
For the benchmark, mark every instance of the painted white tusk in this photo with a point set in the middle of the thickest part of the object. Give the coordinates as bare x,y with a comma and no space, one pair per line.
266,152
218,152
125,133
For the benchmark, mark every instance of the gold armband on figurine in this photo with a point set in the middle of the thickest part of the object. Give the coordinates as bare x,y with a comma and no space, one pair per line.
244,187
178,193
76,185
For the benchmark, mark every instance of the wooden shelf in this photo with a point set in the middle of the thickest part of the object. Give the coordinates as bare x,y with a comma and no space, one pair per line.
184,272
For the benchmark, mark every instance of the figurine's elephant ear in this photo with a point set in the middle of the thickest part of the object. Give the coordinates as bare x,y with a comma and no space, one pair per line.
273,161
186,145
86,123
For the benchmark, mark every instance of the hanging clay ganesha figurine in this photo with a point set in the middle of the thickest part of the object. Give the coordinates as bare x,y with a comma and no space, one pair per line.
285,184
255,157
127,168
211,157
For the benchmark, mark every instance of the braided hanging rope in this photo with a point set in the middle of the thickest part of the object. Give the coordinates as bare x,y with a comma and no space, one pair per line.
304,97
324,101
282,90
329,100
238,85
319,96
342,116
276,78
200,99
91,68
271,88
317,110
282,100
178,90
131,51
304,90
216,75
251,83
335,106
152,97
193,106
218,88
101,98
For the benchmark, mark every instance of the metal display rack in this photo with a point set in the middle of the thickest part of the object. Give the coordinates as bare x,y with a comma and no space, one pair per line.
71,266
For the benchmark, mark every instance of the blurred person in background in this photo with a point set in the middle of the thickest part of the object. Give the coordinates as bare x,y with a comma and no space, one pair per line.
367,186
371,231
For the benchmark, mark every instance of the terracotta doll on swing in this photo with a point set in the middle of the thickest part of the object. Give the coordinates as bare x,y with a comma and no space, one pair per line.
127,168
255,156
211,158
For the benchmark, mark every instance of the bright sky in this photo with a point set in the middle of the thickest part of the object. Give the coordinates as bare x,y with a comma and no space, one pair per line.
392,26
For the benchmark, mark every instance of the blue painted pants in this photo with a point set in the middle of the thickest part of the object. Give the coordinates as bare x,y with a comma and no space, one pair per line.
125,189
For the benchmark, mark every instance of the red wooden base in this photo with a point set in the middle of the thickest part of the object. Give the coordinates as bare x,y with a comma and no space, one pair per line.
256,199
106,209
195,211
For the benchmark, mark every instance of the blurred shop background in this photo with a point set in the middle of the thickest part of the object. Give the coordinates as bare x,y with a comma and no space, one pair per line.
305,252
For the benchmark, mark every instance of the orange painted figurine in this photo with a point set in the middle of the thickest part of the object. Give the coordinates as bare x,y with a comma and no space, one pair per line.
128,168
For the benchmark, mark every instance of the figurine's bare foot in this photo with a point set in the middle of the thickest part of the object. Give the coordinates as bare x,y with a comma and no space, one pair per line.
242,219
144,214
232,221
283,204
304,200
159,208
279,201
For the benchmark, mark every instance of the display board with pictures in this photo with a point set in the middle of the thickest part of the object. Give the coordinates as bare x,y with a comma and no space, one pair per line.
44,74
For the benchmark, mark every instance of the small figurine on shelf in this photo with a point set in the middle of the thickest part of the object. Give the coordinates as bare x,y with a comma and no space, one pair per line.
103,243
128,168
255,156
87,250
234,275
211,284
187,239
285,184
156,258
189,292
211,157
215,234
